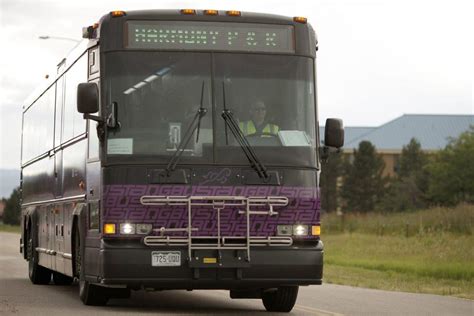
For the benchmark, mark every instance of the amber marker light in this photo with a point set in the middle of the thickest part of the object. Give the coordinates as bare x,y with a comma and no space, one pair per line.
116,14
316,230
233,13
109,229
188,11
211,12
300,19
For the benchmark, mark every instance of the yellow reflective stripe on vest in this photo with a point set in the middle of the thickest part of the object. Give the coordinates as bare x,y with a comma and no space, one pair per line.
270,129
248,128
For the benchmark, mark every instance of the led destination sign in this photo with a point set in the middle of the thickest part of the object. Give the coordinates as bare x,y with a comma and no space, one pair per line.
210,36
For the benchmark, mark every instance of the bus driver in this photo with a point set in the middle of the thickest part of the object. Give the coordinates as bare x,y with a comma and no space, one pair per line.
258,125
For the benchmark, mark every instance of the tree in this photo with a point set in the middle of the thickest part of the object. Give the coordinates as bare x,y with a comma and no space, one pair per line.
331,170
12,211
452,172
412,159
408,189
363,185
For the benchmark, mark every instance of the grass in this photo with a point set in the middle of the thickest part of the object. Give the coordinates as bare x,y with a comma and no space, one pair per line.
436,258
457,220
428,251
9,228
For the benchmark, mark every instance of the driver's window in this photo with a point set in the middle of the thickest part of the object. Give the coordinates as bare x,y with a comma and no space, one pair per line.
271,97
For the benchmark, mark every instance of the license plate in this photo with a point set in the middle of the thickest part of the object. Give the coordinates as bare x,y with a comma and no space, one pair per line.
166,258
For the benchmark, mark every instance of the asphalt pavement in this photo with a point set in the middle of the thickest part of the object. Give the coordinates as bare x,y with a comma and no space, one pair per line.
20,297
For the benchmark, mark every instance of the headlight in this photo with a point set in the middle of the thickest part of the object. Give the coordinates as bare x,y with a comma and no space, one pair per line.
284,230
127,229
300,230
144,228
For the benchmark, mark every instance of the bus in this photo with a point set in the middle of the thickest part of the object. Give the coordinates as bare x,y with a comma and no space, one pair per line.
178,149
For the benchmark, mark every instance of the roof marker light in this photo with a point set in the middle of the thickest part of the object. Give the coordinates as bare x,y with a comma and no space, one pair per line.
211,12
188,11
233,13
300,19
117,13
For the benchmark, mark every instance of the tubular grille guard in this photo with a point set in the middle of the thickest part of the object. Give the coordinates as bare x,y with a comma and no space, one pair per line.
225,242
218,203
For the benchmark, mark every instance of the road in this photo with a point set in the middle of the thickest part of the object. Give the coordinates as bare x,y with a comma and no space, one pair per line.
19,297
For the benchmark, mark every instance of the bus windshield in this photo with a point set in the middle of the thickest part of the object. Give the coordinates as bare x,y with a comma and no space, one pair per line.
271,97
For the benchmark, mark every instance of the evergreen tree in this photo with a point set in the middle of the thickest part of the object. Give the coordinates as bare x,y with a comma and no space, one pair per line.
331,170
12,211
412,159
363,185
407,190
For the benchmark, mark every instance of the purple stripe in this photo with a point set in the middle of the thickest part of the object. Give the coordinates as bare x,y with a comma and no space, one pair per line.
122,203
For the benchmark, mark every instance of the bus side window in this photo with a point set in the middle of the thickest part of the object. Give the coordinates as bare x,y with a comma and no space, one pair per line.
93,141
58,111
74,123
38,126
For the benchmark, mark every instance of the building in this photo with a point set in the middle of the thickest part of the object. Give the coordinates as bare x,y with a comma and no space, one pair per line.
433,131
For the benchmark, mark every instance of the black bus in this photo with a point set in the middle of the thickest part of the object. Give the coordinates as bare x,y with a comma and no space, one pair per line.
178,149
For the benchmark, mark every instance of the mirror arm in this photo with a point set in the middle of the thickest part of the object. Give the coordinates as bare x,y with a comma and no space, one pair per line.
112,120
324,153
93,118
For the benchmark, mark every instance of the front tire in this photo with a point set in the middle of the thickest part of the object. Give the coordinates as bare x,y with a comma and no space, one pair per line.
90,294
37,274
282,299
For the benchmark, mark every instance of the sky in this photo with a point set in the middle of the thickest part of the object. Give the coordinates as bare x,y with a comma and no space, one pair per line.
377,59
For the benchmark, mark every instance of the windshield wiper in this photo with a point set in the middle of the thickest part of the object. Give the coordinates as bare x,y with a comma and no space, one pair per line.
231,122
195,125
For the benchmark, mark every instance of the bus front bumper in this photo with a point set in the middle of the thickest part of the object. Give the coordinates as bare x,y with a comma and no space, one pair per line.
268,267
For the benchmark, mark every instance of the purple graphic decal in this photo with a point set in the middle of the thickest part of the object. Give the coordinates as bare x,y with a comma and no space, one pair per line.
122,203
221,176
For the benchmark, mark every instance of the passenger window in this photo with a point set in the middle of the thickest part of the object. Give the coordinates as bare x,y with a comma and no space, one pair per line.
38,126
74,123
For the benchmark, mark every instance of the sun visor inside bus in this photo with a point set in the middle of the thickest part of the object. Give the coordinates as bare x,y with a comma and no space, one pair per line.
159,176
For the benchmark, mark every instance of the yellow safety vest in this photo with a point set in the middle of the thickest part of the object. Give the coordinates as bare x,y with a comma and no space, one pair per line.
248,128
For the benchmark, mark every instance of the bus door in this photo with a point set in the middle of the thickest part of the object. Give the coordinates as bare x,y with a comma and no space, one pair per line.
93,173
93,177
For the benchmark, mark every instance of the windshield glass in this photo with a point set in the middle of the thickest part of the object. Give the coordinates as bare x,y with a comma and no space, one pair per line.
158,96
271,97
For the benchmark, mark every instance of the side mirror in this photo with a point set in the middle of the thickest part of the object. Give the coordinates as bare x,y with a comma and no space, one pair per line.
334,133
87,98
